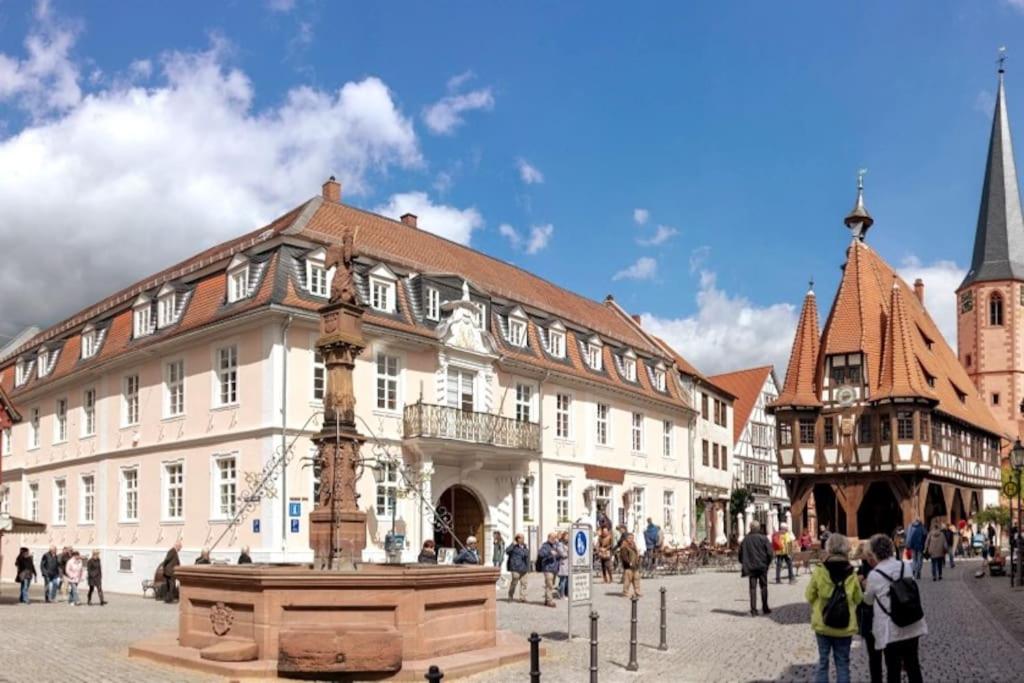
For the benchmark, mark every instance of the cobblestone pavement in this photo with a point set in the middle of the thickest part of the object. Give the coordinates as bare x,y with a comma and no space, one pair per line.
710,634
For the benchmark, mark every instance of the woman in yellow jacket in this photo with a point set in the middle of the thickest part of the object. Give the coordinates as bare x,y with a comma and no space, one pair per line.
834,622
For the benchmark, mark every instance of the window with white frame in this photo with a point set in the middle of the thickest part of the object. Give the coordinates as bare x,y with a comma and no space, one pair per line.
60,501
43,368
87,499
638,432
143,317
461,384
316,277
603,499
225,484
517,331
563,408
387,489
227,376
174,491
433,304
629,368
382,295
238,284
659,379
528,498
33,429
603,412
524,401
174,388
556,343
387,382
89,412
594,356
666,438
32,503
60,421
319,376
166,309
670,508
638,505
130,401
89,339
563,493
22,371
130,494
6,442
5,500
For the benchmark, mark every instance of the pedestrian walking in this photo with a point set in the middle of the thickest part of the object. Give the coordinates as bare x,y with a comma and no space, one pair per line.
916,536
953,541
73,573
834,593
991,536
899,644
755,558
169,565
244,557
604,553
629,557
547,562
805,540
563,564
498,555
24,572
469,554
49,567
937,547
866,614
204,557
518,566
94,577
62,563
782,546
653,539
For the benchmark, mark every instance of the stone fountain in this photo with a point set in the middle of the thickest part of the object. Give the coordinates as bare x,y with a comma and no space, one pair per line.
339,618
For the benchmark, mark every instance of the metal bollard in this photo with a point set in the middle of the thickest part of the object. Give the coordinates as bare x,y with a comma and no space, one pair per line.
593,647
632,666
434,674
534,658
663,645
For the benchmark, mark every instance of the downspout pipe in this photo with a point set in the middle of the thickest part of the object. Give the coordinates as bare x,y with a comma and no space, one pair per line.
284,436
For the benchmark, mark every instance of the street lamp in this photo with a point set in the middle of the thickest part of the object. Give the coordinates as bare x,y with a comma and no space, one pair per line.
1017,463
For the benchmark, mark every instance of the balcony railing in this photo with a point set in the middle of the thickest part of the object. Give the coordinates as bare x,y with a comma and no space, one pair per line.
446,422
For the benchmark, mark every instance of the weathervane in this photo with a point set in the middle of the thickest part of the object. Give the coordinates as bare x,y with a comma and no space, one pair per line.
1001,59
860,178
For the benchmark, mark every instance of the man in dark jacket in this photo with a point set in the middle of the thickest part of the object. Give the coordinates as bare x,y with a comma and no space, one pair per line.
169,564
916,535
755,558
519,565
62,562
244,557
549,559
49,567
94,575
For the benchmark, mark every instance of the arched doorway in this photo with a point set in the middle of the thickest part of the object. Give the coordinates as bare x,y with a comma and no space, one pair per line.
829,512
879,512
934,505
465,515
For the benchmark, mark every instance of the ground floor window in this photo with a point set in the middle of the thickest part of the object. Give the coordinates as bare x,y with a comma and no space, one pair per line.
670,508
387,489
563,489
528,498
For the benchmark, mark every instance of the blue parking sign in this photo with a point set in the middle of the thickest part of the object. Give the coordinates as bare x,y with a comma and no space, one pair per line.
295,509
295,526
255,526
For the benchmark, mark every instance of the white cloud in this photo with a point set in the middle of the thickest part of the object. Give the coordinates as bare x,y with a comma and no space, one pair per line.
1016,4
445,115
459,80
141,68
280,5
537,240
46,80
663,234
698,257
728,332
941,280
447,221
645,268
129,179
640,216
528,173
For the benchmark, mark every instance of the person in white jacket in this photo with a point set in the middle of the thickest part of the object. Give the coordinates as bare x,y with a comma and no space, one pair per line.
899,645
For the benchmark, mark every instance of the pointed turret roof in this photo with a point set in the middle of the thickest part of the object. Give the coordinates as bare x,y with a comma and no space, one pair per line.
999,239
799,389
901,371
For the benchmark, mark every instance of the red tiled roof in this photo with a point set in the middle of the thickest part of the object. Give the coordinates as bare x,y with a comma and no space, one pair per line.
746,386
901,373
801,387
687,368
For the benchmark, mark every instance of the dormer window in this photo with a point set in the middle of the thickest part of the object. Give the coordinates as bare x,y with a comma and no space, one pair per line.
142,315
433,299
238,283
659,378
556,342
167,307
594,353
629,366
43,360
845,369
90,342
517,332
382,289
22,372
316,273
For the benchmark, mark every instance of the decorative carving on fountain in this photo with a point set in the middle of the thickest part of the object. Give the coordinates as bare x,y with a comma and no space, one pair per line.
221,618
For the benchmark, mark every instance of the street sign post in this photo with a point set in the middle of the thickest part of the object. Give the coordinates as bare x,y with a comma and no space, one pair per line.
581,569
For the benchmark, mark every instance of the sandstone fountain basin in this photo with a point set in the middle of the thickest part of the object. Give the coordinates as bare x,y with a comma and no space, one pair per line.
377,621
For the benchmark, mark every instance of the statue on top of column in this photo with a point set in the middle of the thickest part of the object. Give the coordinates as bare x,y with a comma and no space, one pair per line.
341,258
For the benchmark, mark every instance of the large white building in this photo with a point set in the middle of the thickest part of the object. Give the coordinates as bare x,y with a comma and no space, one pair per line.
493,400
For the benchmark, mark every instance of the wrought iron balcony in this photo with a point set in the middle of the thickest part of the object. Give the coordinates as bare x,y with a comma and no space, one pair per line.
424,420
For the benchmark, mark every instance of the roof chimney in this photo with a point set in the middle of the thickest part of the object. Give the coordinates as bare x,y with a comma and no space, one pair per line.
919,290
332,190
636,318
409,219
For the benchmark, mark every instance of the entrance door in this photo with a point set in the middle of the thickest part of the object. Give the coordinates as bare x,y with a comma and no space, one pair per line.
879,512
465,515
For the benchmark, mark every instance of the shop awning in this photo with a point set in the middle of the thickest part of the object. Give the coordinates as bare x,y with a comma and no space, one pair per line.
608,474
17,525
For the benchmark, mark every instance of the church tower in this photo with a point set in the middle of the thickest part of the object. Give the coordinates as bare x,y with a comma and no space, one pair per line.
990,301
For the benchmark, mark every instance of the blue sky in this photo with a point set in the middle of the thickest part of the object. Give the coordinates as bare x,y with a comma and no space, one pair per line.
533,131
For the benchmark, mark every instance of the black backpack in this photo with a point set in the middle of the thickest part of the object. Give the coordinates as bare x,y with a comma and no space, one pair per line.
904,599
836,612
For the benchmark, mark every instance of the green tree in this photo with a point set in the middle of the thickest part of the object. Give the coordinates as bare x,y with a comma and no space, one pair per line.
995,514
739,501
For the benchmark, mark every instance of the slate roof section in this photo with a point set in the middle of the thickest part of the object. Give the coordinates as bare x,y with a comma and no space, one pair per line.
746,386
999,238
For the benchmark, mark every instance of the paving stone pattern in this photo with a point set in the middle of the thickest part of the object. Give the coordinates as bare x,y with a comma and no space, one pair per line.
710,634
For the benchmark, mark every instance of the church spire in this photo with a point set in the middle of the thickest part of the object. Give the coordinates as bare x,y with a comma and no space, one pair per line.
999,239
859,220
